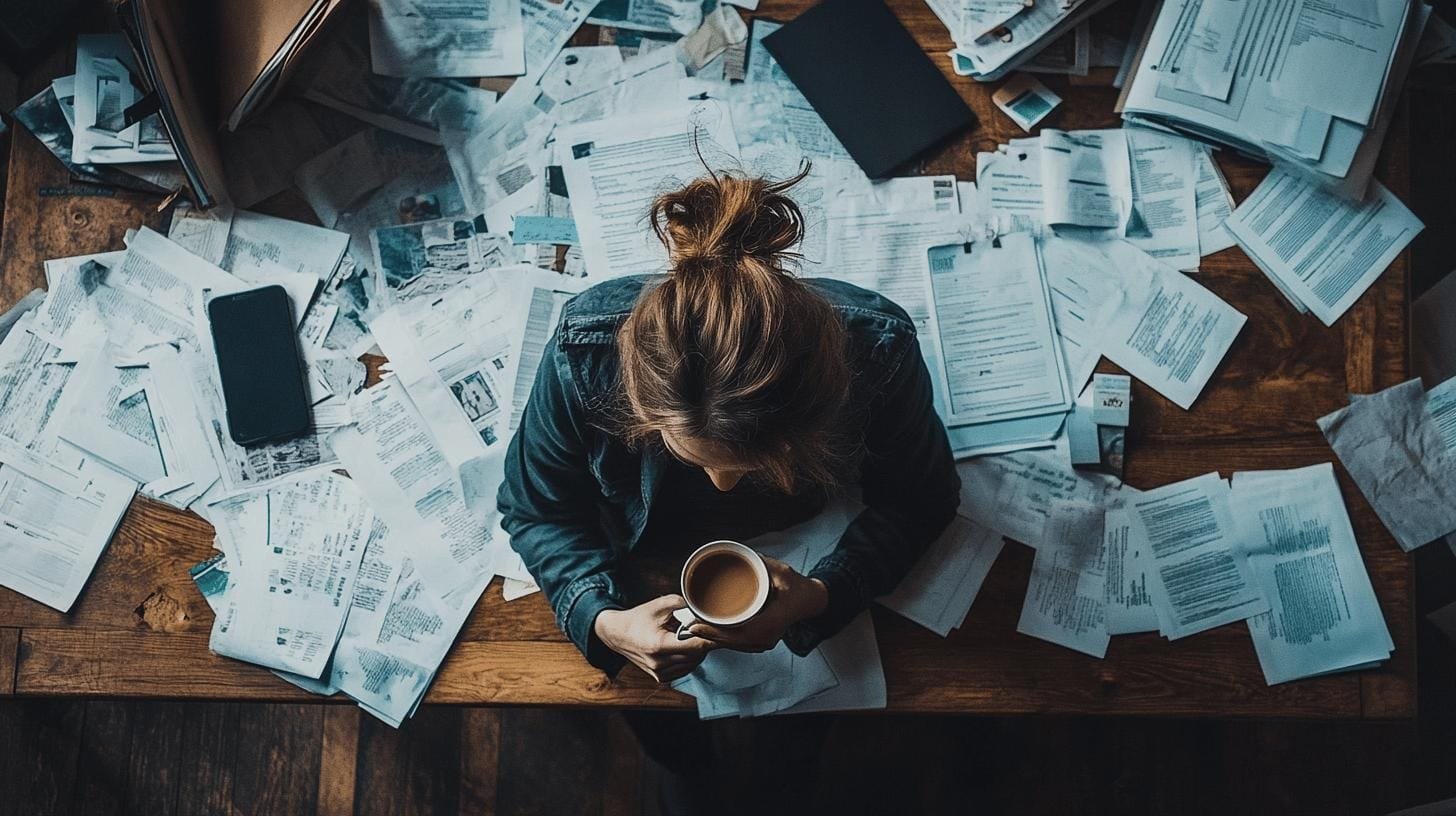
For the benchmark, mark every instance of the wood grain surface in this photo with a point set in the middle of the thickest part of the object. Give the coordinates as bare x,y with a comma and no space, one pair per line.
9,654
140,628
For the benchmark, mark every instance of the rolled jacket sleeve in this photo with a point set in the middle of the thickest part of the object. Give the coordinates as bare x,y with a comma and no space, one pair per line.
549,506
910,491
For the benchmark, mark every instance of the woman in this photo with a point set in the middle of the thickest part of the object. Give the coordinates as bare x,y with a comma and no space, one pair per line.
723,400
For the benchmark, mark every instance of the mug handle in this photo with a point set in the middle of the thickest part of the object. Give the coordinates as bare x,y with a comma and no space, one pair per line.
684,618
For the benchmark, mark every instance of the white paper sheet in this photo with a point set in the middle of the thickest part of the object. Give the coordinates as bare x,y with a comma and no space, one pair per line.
1086,178
1323,249
615,167
1064,603
1200,572
1324,615
1128,600
1012,493
1000,355
54,524
453,354
1394,451
1165,195
398,464
938,591
291,585
1085,295
446,38
1168,331
1215,205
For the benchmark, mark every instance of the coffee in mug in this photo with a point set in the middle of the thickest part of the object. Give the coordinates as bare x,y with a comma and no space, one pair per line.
724,583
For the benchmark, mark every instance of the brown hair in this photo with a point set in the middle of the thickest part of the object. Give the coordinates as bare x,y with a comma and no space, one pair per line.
731,348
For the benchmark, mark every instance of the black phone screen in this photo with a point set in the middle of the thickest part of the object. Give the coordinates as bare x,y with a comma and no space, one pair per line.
257,358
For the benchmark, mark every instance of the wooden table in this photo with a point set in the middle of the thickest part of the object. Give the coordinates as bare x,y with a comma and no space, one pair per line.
140,628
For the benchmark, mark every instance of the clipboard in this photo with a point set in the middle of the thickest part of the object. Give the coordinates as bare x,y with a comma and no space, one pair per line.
1005,337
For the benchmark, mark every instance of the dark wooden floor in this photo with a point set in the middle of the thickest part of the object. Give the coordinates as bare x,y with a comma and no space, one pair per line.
110,757
191,758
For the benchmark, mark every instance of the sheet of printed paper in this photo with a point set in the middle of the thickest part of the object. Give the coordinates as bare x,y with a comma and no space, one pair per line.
1168,331
1441,408
54,524
644,82
1323,249
938,591
190,467
1064,603
992,55
1394,450
105,66
1086,178
1215,204
292,585
1011,188
397,633
885,252
615,167
1165,197
548,293
114,419
153,296
980,17
427,258
992,314
453,353
1127,598
390,450
1199,568
1012,493
1338,58
1085,295
446,38
1323,615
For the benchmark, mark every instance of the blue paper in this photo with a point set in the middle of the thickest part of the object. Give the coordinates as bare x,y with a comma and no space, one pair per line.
544,229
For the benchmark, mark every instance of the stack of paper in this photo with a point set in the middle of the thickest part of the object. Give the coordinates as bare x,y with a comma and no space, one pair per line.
1275,549
1323,614
1001,363
50,116
1321,251
1193,554
994,37
1308,85
1160,192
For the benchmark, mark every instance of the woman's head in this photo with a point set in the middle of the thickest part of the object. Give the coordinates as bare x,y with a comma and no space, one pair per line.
733,363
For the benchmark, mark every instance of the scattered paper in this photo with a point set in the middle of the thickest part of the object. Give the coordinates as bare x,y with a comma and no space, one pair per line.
1395,453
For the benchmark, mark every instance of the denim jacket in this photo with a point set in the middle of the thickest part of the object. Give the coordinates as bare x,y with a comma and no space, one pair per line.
576,498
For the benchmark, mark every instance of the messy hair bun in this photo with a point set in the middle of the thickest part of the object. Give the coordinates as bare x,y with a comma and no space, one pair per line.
723,219
729,347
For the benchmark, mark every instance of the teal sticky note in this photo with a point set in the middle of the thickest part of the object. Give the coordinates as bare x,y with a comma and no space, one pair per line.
544,229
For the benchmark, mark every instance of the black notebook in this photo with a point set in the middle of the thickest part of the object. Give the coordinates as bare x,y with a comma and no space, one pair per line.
869,81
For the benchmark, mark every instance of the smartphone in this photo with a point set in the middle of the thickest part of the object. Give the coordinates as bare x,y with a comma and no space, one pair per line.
262,375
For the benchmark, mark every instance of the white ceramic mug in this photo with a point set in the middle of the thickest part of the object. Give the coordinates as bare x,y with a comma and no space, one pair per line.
692,614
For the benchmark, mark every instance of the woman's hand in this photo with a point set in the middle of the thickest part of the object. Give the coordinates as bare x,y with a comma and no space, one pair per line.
647,636
791,599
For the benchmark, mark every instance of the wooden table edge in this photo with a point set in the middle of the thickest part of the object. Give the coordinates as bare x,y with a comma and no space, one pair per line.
9,660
